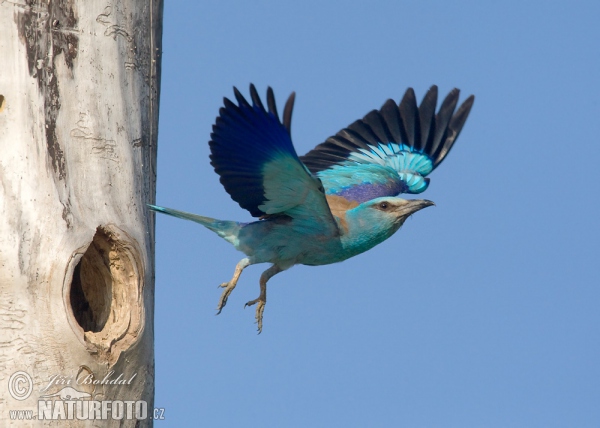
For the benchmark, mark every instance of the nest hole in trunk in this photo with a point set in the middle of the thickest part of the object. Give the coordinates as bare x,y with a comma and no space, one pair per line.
92,286
105,291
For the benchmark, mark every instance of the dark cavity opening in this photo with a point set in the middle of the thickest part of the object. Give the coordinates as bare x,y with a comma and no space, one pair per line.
92,286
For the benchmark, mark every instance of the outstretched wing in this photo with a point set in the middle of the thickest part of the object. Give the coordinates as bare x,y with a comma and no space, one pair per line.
253,154
391,150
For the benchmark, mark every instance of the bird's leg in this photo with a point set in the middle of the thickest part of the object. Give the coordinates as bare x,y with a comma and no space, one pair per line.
262,298
229,286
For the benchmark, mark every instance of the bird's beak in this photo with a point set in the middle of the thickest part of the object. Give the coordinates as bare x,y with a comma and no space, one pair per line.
411,206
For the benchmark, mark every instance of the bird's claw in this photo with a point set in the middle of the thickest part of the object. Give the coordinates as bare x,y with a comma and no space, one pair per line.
260,308
228,286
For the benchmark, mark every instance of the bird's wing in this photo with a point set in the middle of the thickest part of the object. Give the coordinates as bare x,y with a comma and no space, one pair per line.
391,150
252,152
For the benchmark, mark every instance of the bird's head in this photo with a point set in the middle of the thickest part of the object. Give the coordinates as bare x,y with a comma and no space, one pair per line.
393,211
385,214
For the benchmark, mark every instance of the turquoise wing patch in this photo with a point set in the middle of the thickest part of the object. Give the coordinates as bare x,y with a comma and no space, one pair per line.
391,150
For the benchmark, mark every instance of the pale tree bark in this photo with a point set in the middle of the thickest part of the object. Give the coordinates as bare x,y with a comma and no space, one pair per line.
79,89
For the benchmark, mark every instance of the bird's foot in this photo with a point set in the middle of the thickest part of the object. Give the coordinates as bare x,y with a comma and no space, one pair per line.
260,308
228,286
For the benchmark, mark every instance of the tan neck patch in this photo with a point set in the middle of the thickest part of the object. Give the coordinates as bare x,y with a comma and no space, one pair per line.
338,206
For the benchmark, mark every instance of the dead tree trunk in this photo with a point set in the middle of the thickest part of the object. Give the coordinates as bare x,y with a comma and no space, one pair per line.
79,89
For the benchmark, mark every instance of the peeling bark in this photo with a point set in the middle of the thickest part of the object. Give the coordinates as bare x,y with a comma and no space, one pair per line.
46,34
79,89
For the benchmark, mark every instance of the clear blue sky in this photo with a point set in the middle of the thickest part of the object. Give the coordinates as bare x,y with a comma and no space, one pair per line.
481,312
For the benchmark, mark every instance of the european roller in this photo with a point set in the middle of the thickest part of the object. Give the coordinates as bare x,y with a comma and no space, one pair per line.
338,200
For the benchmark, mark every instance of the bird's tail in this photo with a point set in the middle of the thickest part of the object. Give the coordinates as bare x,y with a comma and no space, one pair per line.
227,230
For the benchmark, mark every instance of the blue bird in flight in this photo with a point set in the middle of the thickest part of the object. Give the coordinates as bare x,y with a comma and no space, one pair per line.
338,200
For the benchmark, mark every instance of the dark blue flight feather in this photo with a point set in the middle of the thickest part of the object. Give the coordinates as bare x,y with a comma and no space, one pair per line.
245,137
252,152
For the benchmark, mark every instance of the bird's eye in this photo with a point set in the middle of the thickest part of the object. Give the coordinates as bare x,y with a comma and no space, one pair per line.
384,206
